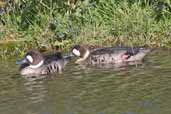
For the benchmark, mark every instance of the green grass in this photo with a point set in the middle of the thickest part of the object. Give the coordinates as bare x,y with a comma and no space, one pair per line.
49,24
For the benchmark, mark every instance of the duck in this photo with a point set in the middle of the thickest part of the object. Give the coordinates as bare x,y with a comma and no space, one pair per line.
35,63
108,55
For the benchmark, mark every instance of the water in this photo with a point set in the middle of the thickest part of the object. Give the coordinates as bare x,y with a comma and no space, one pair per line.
141,89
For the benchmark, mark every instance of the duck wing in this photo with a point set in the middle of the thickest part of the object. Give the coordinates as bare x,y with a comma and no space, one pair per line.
121,53
115,50
131,52
52,57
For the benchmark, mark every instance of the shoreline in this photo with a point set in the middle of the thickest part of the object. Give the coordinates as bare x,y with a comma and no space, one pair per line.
12,48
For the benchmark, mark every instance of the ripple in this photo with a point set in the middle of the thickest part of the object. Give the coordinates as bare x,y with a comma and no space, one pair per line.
136,89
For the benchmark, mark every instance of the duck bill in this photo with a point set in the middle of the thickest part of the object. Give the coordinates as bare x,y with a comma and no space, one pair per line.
68,55
71,54
20,62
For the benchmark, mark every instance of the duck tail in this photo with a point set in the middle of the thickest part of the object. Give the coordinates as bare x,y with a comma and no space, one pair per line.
142,53
146,51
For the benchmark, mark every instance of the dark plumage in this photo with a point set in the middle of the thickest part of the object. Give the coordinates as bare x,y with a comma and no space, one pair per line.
34,63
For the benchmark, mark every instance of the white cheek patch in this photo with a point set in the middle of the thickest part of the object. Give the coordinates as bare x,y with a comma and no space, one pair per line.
76,52
29,58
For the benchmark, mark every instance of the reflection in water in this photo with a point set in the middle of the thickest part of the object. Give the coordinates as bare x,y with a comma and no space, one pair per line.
117,66
35,88
135,89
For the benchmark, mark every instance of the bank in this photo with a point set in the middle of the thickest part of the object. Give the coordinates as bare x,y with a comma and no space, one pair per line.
41,25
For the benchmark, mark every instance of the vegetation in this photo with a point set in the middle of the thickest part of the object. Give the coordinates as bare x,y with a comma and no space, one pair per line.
49,24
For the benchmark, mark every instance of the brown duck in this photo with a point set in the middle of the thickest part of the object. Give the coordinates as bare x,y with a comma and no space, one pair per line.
108,55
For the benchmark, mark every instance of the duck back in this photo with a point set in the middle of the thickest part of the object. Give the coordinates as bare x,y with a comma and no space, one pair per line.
116,55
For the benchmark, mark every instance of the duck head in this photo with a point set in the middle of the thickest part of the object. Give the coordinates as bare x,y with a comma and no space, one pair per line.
33,59
80,51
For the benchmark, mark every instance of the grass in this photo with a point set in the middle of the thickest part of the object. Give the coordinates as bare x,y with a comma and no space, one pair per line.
49,24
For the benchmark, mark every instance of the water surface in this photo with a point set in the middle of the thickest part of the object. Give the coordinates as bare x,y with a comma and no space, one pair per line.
138,89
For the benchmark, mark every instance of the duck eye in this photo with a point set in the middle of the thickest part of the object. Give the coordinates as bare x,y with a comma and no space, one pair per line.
76,52
29,58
